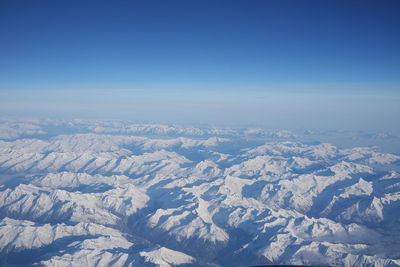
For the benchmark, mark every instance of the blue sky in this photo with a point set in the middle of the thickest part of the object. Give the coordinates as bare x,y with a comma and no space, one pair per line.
273,63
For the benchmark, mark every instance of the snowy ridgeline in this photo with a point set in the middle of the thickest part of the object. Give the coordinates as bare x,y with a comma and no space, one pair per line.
107,194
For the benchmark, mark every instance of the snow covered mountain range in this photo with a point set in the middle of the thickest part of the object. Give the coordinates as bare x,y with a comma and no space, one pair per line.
87,193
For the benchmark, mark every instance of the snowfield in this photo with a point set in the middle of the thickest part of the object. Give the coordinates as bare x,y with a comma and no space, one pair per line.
98,193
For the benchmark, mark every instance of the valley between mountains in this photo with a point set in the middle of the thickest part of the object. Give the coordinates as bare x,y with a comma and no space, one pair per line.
111,194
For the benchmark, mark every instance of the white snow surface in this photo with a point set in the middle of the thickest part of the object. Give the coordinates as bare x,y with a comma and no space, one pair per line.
110,198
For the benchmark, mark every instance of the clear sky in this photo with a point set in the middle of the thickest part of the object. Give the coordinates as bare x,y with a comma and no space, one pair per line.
283,64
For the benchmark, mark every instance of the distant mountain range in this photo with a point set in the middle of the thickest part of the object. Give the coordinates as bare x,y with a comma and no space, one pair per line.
103,193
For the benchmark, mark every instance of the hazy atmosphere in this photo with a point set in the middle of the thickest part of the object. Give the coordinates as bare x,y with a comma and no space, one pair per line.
290,64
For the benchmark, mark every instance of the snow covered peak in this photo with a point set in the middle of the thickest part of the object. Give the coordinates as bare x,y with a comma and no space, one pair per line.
101,195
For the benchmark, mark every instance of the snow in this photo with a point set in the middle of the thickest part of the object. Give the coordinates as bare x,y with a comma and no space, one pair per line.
200,196
164,257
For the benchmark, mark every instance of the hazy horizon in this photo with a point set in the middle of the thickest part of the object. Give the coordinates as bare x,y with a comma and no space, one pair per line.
328,65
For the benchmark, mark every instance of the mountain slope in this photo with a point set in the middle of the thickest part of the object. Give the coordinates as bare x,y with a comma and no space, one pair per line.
101,199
